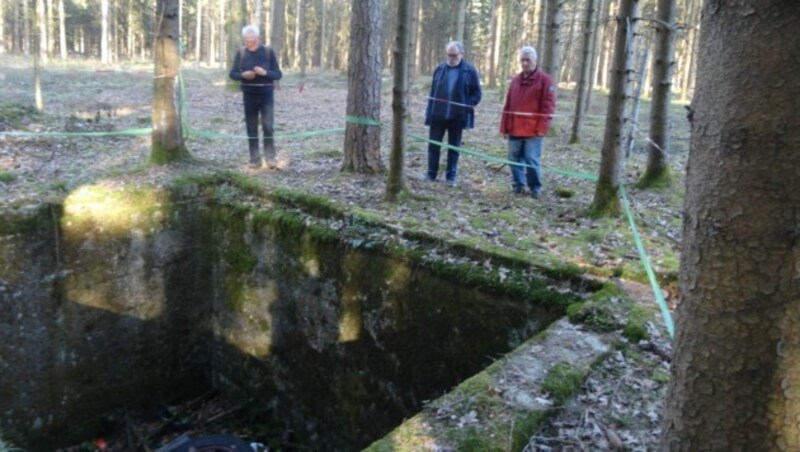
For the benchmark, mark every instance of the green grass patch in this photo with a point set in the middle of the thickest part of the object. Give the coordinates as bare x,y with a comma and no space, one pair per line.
562,381
7,177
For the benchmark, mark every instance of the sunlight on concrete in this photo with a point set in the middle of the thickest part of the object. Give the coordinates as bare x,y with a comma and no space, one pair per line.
350,319
108,228
109,211
250,328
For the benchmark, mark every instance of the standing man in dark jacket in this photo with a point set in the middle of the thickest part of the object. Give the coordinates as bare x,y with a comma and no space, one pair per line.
455,91
529,108
256,67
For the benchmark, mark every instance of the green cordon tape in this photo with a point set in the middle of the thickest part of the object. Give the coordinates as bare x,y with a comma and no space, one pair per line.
662,304
363,121
130,132
651,276
371,122
495,159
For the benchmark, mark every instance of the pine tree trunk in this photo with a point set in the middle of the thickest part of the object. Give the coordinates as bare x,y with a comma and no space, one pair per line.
50,41
657,171
551,59
606,196
395,183
167,137
362,143
2,27
26,29
198,38
461,13
492,82
506,42
104,56
542,31
736,369
41,36
598,27
691,49
278,28
583,82
62,30
302,39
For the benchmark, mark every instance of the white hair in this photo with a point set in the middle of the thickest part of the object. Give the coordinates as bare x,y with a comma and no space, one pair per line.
529,52
457,44
250,30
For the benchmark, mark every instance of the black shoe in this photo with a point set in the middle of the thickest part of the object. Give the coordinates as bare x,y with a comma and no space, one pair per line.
536,194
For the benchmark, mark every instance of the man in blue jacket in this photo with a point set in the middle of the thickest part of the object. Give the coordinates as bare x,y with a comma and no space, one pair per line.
256,68
455,91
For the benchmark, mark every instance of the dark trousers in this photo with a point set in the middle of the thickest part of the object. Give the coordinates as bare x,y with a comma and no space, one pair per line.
262,104
454,129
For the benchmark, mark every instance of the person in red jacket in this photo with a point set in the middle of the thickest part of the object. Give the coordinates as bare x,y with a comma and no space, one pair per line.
528,111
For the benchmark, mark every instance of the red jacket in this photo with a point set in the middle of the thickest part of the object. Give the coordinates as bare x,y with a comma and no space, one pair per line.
530,104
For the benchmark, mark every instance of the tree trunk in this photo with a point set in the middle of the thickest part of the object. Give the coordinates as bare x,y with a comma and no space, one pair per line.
198,38
413,68
362,141
495,24
565,69
606,196
506,33
691,50
657,171
551,59
461,13
278,28
62,31
48,26
26,29
167,144
223,54
542,31
104,56
235,21
419,33
583,82
633,123
41,36
257,16
395,183
302,53
596,42
2,27
736,369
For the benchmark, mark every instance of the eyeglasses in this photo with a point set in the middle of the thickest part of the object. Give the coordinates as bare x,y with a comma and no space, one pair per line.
453,55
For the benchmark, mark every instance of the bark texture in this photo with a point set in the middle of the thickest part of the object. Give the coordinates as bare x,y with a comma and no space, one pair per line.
606,199
362,140
736,370
167,138
663,69
402,52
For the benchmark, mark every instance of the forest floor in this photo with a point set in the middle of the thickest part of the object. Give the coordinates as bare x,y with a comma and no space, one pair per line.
620,404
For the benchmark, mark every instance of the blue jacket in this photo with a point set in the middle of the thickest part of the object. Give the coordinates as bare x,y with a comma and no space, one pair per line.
467,91
246,60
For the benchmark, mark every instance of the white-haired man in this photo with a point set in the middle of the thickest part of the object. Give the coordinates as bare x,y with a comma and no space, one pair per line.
256,68
529,108
455,91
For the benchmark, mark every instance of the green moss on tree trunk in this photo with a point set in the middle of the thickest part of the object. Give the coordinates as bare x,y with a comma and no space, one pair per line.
660,177
160,154
606,201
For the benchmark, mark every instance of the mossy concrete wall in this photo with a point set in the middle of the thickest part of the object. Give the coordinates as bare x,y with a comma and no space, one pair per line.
130,297
345,343
101,307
